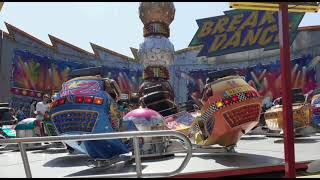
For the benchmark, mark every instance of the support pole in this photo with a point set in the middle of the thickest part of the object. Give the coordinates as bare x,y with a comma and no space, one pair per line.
25,160
137,156
290,171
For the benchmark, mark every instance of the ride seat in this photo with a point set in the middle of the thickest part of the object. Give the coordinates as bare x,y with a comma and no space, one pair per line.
151,89
220,74
298,98
155,96
165,107
112,88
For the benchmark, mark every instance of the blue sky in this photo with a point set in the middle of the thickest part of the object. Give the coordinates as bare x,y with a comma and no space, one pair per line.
114,25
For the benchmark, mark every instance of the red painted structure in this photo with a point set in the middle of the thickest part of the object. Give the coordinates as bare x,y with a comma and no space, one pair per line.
286,90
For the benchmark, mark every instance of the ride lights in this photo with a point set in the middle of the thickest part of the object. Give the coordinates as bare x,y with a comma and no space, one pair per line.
98,100
88,99
219,104
80,99
249,94
227,101
235,98
61,101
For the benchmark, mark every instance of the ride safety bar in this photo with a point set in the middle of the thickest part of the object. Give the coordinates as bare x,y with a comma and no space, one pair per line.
102,136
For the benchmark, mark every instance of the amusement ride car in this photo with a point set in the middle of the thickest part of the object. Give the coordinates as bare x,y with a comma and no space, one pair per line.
301,114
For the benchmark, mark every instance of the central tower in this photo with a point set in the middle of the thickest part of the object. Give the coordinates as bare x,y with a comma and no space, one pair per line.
156,53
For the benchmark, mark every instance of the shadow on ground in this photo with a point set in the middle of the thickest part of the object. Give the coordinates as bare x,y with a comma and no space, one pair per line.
68,161
83,160
253,138
299,141
50,151
242,160
121,167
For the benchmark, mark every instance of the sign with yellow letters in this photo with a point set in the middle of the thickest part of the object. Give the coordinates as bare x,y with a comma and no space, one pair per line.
241,30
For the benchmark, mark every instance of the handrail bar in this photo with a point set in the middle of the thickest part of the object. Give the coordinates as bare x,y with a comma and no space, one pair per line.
100,136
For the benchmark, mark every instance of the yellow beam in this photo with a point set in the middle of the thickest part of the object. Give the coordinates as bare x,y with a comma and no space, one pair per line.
310,176
292,7
1,4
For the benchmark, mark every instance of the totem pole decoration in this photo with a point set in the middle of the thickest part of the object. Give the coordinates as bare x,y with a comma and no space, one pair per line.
156,53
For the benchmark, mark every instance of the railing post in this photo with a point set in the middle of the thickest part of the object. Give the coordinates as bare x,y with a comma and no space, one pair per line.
137,156
25,160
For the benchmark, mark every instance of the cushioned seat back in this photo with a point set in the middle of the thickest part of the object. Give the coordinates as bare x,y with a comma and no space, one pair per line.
158,95
298,98
297,91
4,104
155,96
165,107
151,89
220,74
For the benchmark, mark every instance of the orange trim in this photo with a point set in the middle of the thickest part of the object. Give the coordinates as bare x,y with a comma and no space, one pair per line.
135,51
12,30
95,47
309,28
7,35
54,40
188,49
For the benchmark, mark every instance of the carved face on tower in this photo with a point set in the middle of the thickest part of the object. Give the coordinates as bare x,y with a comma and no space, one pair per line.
156,50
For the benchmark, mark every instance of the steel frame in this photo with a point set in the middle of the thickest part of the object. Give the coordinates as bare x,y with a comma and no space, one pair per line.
133,134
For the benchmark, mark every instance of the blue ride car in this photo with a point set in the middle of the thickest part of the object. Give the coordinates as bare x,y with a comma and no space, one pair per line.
87,105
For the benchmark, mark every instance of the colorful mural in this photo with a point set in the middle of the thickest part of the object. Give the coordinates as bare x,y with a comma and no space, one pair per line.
33,75
39,73
265,78
128,80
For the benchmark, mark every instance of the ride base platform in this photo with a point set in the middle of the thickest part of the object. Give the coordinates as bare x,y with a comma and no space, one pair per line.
256,154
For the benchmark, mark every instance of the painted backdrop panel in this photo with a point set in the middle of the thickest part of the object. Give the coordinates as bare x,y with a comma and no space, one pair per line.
37,73
265,78
30,71
128,80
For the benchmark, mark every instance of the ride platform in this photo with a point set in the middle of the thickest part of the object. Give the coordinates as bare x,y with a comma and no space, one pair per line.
255,154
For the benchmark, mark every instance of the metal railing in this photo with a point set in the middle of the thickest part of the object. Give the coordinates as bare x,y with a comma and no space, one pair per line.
102,136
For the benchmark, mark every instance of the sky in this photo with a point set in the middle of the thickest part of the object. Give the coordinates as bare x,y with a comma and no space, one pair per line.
113,25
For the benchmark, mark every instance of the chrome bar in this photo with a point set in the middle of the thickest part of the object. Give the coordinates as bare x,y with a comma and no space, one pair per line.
99,136
137,156
117,135
25,160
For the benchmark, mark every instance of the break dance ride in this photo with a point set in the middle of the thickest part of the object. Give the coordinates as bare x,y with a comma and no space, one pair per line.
89,104
229,107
